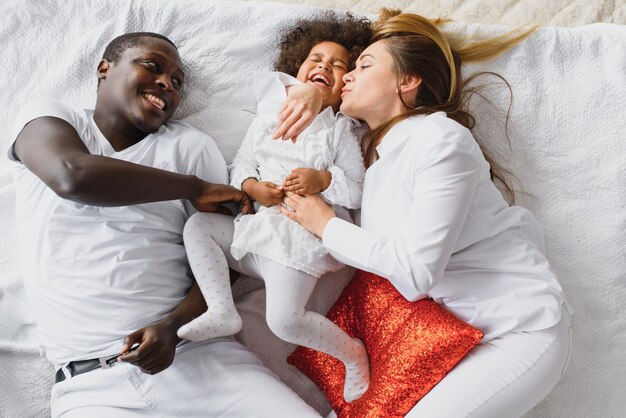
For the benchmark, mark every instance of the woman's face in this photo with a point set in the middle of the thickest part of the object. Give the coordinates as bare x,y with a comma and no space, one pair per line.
324,68
371,92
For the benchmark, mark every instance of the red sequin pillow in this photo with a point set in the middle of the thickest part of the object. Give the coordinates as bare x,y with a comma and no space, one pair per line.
411,347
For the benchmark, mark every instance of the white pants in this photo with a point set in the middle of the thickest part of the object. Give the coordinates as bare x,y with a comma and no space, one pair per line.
505,377
208,379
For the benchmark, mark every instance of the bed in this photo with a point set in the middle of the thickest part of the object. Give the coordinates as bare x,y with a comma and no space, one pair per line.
567,149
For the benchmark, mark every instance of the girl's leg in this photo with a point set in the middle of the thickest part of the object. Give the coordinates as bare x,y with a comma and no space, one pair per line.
203,234
504,377
288,291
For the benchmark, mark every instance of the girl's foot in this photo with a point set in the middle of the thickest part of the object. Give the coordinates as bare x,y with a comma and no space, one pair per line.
211,324
357,374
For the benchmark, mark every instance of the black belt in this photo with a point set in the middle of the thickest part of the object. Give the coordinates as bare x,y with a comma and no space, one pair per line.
83,366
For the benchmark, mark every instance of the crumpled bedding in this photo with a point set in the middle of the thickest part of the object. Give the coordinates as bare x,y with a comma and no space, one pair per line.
567,148
503,12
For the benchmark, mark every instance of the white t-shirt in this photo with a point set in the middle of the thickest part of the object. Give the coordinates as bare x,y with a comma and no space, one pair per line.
96,274
434,224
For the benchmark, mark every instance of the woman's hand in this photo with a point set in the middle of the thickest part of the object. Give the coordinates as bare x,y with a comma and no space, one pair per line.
212,196
309,211
157,347
306,181
299,110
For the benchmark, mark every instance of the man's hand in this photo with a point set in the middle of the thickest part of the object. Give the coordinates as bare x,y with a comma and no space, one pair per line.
157,347
302,105
157,342
306,181
212,196
265,192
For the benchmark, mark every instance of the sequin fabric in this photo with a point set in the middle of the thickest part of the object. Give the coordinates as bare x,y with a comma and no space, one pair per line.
411,347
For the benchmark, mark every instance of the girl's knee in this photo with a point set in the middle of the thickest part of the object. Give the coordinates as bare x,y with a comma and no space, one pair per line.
195,223
285,326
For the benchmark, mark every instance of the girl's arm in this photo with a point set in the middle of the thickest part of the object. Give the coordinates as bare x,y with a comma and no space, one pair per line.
244,173
348,171
244,165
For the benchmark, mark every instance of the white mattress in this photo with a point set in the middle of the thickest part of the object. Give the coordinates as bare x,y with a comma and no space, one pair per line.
567,139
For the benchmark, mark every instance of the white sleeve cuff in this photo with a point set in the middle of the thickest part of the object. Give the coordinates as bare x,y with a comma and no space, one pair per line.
269,88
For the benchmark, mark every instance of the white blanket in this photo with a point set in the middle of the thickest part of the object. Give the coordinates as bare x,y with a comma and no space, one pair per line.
503,12
566,132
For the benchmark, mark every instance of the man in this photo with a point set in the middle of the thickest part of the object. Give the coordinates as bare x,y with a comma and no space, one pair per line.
102,198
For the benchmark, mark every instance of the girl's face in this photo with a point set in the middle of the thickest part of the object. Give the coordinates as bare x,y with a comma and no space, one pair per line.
371,91
324,68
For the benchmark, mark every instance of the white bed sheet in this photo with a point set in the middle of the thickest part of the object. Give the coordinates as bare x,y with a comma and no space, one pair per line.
567,139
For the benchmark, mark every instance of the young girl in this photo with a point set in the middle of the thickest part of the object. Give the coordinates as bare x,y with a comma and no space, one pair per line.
325,160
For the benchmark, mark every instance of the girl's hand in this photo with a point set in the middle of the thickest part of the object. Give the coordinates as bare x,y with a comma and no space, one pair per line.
306,181
303,104
264,192
309,211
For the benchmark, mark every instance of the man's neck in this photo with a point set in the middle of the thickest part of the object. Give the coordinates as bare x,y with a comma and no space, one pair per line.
120,135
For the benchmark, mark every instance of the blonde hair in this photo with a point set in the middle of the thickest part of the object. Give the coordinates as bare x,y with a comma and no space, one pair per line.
419,48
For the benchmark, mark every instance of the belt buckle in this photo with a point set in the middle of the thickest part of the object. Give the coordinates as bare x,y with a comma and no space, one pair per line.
105,362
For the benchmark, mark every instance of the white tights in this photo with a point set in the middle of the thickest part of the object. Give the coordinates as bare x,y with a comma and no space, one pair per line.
207,240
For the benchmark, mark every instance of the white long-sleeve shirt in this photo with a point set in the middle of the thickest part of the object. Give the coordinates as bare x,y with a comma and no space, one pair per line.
434,225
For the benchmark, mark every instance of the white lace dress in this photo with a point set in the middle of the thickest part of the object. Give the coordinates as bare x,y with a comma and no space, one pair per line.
329,143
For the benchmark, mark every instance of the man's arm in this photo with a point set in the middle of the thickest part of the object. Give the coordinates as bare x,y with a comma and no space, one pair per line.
53,151
157,343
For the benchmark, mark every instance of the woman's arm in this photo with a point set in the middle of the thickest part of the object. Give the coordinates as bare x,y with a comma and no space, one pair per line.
51,148
442,194
302,105
296,103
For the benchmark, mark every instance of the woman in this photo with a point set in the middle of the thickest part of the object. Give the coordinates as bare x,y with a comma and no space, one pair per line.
434,224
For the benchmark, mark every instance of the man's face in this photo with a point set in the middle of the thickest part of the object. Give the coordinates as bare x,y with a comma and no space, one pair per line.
143,86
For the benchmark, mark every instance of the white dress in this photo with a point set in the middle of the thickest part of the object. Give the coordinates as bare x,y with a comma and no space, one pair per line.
329,143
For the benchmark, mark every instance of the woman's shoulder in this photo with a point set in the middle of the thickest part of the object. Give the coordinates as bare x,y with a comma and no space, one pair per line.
448,127
437,130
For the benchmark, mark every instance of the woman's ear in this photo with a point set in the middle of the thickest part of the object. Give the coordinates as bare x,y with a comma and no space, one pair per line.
410,83
103,69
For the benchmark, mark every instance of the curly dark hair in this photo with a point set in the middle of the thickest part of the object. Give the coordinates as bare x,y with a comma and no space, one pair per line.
351,32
